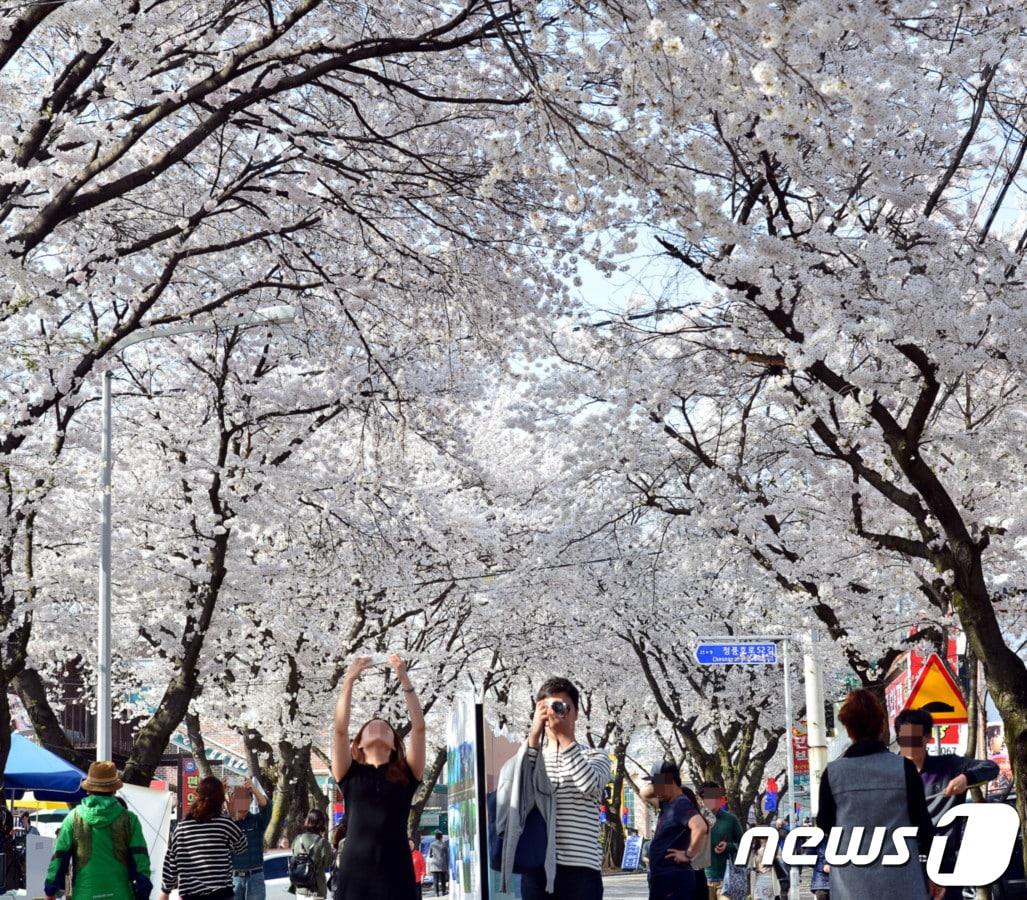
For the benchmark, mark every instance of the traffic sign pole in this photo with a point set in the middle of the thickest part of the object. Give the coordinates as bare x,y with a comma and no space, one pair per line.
790,757
715,655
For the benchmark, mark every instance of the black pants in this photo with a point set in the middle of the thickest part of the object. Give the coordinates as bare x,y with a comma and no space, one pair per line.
702,889
673,885
441,883
572,883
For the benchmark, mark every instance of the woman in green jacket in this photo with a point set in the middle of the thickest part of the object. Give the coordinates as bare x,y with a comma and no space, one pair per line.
312,844
724,838
103,844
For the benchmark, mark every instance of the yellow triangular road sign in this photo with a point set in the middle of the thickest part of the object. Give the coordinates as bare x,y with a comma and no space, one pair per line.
935,687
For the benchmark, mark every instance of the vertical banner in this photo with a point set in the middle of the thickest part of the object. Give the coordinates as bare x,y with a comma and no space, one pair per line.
465,784
998,753
800,749
188,782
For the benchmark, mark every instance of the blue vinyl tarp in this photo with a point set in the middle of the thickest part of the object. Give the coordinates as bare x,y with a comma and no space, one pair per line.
32,768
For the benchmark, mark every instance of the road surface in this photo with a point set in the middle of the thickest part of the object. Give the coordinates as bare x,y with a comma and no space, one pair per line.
632,887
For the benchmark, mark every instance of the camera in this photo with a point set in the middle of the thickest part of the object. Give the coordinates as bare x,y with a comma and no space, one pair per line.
559,707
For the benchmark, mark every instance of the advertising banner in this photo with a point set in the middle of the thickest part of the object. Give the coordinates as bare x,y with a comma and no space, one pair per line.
998,753
632,852
800,749
465,781
188,782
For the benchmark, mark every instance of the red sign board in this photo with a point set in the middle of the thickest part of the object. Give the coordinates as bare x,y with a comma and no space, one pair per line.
898,689
188,782
800,751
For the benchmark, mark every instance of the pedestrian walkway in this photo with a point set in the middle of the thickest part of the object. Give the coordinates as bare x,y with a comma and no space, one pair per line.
633,887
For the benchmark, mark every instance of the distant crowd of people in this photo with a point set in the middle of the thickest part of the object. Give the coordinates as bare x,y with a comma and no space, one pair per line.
546,822
693,852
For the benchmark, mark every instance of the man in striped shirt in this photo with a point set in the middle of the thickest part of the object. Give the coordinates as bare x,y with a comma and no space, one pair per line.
579,776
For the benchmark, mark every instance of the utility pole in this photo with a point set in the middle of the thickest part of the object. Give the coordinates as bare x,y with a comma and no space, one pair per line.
273,315
816,733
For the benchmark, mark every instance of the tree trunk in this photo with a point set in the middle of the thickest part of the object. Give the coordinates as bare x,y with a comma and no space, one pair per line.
291,801
1006,675
255,745
5,732
976,744
199,748
29,687
431,777
975,710
1018,760
613,842
152,739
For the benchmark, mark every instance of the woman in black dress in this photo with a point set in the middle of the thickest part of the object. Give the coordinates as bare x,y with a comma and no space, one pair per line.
378,777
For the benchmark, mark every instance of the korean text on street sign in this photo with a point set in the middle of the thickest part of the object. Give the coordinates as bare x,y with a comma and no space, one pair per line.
748,653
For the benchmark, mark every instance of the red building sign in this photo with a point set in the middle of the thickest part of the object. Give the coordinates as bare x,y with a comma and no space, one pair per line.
188,782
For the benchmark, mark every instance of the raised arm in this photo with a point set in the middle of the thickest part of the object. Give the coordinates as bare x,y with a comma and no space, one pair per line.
648,795
341,759
415,747
257,791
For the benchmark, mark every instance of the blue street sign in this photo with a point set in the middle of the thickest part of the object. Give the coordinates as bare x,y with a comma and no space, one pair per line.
745,654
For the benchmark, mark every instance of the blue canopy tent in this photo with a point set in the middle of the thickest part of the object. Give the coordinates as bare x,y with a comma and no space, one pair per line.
31,768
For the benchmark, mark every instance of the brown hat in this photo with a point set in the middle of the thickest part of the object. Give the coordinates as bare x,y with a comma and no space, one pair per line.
102,778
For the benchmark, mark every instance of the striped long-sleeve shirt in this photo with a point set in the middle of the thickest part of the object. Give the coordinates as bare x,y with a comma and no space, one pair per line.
579,777
200,856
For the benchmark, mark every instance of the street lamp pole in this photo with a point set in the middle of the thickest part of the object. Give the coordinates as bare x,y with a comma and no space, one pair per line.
273,315
103,673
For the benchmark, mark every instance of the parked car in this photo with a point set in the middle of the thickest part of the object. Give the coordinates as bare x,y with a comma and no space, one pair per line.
276,875
1012,885
48,821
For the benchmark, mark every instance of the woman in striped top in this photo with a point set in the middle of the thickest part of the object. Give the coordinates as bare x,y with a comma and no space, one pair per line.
199,860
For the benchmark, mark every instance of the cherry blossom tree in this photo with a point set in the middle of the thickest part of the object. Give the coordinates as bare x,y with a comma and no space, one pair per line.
171,164
839,187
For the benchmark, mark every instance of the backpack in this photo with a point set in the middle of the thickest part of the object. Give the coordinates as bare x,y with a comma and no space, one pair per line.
82,837
121,840
302,871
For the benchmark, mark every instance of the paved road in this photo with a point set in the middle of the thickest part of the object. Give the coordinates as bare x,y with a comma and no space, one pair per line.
621,887
632,887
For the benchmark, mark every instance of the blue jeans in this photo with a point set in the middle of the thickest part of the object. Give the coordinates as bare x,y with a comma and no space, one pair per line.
249,887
